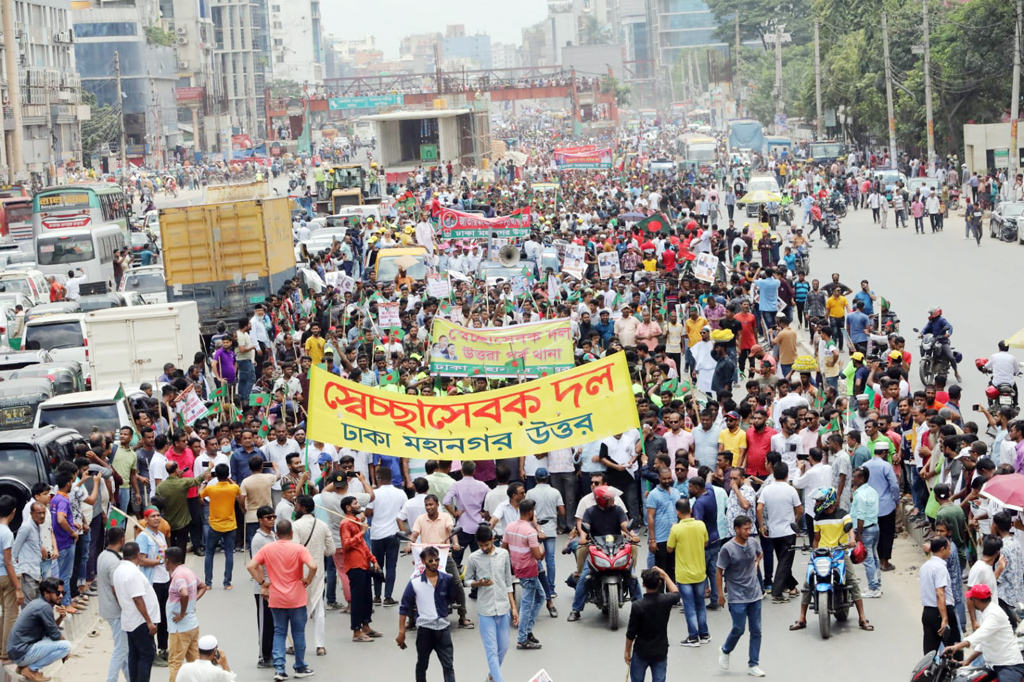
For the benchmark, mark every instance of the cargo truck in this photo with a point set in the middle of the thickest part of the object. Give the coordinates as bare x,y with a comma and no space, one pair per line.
227,257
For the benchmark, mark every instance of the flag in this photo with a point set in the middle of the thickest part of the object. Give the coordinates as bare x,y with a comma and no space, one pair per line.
517,365
656,222
264,428
219,392
445,308
120,392
259,399
116,517
527,272
389,379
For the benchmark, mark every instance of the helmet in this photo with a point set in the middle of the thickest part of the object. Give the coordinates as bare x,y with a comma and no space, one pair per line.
604,496
991,392
824,498
980,363
934,312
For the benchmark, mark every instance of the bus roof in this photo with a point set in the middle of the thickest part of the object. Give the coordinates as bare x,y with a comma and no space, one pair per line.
701,140
94,186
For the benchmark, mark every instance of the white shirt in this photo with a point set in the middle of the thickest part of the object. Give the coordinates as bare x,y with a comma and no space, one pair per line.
622,449
982,574
413,509
157,471
278,454
203,462
387,504
204,671
785,447
588,501
498,495
995,637
130,583
506,514
779,500
1004,368
817,476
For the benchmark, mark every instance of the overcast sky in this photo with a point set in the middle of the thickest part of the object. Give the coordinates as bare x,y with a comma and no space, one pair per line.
390,20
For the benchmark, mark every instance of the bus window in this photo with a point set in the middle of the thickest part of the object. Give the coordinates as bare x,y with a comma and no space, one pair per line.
61,250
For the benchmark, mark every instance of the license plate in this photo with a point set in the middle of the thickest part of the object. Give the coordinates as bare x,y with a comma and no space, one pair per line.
1005,400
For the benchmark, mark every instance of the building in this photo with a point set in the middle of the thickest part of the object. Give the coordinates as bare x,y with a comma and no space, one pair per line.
50,91
987,148
420,48
476,49
236,54
409,138
148,64
683,24
296,43
506,56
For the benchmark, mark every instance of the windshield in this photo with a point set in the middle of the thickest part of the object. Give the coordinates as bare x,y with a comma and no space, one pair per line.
144,283
139,239
59,250
82,418
766,184
9,284
701,152
19,213
20,462
1014,209
54,335
826,151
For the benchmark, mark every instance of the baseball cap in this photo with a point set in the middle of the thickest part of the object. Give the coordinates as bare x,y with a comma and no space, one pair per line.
857,356
541,473
979,591
732,415
895,355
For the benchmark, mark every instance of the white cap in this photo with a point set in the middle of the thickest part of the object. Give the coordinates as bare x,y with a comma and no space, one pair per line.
207,643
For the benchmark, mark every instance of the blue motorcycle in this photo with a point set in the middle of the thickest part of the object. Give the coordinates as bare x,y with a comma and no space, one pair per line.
826,578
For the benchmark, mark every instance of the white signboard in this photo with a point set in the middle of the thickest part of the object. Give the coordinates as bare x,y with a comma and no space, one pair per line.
608,264
575,260
705,267
439,286
387,315
190,405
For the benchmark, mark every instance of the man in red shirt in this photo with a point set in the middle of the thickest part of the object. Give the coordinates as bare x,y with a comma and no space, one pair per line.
759,437
183,456
668,258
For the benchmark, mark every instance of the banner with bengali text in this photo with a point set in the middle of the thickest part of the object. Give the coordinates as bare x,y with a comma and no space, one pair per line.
522,350
590,160
562,410
458,225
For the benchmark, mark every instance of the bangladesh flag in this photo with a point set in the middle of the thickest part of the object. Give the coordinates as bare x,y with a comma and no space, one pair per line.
389,379
220,392
527,272
445,308
116,517
656,222
259,399
516,365
264,428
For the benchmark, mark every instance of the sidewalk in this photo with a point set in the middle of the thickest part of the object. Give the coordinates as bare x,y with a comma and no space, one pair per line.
76,629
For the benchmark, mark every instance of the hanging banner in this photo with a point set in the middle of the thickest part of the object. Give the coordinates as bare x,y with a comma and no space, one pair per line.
579,406
562,152
458,225
388,316
574,262
522,350
608,264
595,159
439,286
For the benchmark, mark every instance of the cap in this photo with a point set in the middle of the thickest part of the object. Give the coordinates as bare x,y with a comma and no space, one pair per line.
941,493
863,396
858,356
540,473
706,328
895,355
979,591
328,351
337,478
882,445
209,642
732,415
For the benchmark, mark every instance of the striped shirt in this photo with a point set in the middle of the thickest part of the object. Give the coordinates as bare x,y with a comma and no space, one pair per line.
520,537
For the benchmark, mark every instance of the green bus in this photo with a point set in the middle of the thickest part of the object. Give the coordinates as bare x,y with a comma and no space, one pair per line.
80,206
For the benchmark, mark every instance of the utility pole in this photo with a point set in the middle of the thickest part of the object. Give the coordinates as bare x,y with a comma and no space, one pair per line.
927,85
120,112
11,53
779,106
1015,101
817,80
888,88
437,69
737,82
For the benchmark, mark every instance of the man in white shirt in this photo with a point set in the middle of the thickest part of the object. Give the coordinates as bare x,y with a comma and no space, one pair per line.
387,504
778,507
788,443
138,620
994,637
211,666
814,474
278,450
74,284
1003,366
933,207
414,506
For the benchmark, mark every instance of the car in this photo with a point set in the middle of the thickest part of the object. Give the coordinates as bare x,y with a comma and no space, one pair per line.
29,456
16,359
32,283
62,335
923,184
1005,220
147,281
67,376
47,309
111,299
888,177
757,182
15,298
20,398
139,242
106,410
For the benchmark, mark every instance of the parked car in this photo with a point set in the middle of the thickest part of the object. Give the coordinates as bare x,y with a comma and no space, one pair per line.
30,456
32,283
67,376
1005,221
20,399
146,281
46,309
16,359
106,410
111,299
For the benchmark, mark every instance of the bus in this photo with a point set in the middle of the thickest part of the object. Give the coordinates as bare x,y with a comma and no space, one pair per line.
16,220
89,249
80,206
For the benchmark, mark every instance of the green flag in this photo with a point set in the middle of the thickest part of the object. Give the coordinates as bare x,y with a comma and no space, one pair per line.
656,222
259,399
389,379
116,517
264,428
219,392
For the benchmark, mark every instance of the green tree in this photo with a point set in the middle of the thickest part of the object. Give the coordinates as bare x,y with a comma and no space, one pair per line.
759,19
103,126
592,32
622,92
284,89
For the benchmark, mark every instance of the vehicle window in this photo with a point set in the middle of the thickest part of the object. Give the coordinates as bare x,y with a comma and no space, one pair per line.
59,250
54,335
145,283
1013,209
82,418
386,269
19,462
10,284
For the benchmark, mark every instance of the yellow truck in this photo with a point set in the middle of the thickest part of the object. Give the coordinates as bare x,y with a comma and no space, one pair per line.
227,257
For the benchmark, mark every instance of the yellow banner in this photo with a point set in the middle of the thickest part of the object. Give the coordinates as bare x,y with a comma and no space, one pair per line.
571,408
522,350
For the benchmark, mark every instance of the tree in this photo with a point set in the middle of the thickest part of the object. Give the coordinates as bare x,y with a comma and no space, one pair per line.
622,92
592,32
103,126
759,19
285,89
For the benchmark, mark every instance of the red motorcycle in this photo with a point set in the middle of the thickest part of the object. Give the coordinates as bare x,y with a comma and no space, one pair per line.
610,579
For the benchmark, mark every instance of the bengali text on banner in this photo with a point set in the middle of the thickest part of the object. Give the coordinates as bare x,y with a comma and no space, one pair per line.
458,225
563,410
523,350
595,159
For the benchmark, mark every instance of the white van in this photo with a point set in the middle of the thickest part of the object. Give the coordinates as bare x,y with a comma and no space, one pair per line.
62,335
88,250
107,410
32,283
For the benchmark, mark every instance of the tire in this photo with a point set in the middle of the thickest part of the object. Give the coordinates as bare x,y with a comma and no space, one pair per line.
613,606
824,619
926,371
842,614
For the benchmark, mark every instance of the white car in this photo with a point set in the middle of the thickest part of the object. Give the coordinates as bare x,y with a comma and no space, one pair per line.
147,281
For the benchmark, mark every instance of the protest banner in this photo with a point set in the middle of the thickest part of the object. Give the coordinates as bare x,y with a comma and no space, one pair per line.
415,548
574,261
537,349
561,152
705,267
458,225
439,286
590,160
387,315
340,281
578,406
190,406
608,264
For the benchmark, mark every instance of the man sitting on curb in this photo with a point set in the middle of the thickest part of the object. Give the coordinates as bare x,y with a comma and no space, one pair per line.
36,640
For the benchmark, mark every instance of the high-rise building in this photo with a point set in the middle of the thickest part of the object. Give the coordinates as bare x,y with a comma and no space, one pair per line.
474,49
420,48
296,44
506,56
235,52
50,91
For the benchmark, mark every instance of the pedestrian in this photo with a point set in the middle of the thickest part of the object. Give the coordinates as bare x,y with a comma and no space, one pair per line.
36,640
430,593
435,527
64,532
27,551
661,516
386,506
174,492
182,622
211,666
737,571
883,480
357,562
864,514
152,553
647,631
140,612
109,609
264,535
11,596
222,497
489,572
778,508
937,600
687,542
705,509
522,541
316,537
254,489
549,507
468,494
995,637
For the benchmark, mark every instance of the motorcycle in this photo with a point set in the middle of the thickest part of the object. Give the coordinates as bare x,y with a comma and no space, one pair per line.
1004,395
826,577
954,198
610,558
830,231
936,667
933,361
787,214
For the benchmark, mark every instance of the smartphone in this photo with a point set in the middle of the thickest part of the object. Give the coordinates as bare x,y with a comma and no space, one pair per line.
803,456
977,407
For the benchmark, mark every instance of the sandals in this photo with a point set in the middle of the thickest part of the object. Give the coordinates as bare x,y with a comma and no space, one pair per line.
321,651
363,638
374,634
799,625
466,625
865,625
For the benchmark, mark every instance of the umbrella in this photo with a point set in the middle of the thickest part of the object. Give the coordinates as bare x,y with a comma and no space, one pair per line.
406,261
632,217
1017,340
1007,490
759,196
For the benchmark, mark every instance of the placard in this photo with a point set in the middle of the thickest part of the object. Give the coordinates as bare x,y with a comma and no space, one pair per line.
387,315
575,260
705,267
530,350
608,264
439,286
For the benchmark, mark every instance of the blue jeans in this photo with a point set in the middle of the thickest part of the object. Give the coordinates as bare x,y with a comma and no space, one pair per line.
696,613
246,378
226,540
711,561
742,614
548,576
533,597
283,618
43,653
869,536
638,669
494,631
124,498
385,550
918,489
66,564
119,656
250,532
332,582
579,598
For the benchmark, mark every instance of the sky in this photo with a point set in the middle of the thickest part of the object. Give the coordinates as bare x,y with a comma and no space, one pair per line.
391,20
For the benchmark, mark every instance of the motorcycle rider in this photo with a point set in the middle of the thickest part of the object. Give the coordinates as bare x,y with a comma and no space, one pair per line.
830,532
995,635
1004,367
941,329
604,518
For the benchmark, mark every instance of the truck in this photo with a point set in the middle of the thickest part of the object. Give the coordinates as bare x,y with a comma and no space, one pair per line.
131,345
746,134
227,257
826,151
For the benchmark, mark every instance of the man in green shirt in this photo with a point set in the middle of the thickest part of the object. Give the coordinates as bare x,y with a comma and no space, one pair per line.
126,465
873,435
954,518
174,492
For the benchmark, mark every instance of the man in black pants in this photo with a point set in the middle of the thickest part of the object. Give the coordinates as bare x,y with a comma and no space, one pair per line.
264,620
938,620
783,510
430,594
